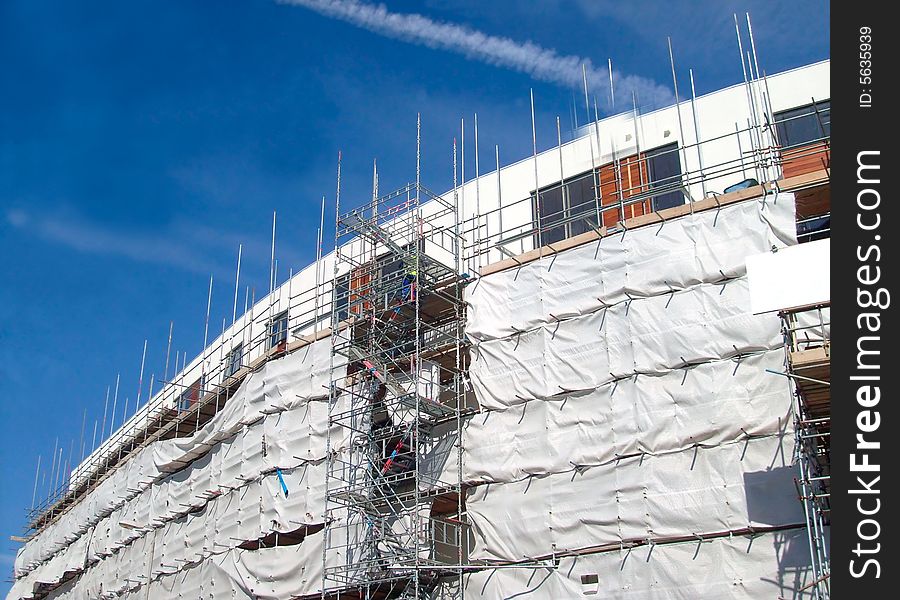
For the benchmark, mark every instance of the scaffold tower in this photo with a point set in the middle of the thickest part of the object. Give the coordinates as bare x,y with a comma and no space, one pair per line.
807,332
394,503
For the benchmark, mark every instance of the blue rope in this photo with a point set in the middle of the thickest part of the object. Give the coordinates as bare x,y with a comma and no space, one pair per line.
281,481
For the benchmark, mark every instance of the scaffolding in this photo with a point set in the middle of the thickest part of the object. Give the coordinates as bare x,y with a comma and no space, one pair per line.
620,191
807,332
395,514
282,322
394,497
624,188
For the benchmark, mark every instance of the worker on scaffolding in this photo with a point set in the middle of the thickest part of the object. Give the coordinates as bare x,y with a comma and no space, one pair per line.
408,293
407,288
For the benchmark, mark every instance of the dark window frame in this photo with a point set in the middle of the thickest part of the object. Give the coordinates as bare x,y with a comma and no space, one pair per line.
340,298
190,395
573,209
278,329
804,124
235,359
814,228
661,175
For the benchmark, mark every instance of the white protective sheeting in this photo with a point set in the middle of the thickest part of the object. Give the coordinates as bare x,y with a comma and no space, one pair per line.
266,573
702,490
274,573
193,539
648,335
277,419
704,247
624,391
769,565
707,404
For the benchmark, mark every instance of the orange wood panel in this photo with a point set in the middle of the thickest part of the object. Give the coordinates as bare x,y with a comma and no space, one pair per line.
806,159
359,287
634,176
609,194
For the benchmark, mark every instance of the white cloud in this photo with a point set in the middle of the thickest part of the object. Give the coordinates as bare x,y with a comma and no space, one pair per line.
527,57
17,218
187,246
171,248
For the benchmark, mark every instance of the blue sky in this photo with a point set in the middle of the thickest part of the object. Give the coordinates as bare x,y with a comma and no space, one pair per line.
141,142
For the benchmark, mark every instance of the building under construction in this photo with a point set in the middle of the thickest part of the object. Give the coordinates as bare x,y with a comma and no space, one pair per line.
550,381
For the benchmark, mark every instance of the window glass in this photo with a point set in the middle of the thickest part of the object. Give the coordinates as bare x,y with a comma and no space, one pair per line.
581,203
565,209
278,329
551,210
816,228
341,297
190,395
805,124
233,365
664,170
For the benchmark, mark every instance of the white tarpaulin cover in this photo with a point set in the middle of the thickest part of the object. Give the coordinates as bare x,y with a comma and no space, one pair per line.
267,573
766,566
229,493
654,414
626,398
698,491
704,247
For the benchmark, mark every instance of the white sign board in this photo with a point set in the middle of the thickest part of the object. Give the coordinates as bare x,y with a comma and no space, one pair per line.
791,277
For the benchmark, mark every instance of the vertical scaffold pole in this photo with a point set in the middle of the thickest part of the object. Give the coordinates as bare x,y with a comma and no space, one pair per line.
683,151
697,133
37,472
537,190
595,184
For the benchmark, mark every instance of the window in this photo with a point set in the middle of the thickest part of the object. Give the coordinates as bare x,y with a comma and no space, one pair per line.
581,201
278,328
571,209
392,271
620,182
664,171
550,207
341,298
565,210
383,285
360,289
234,360
803,125
190,395
815,228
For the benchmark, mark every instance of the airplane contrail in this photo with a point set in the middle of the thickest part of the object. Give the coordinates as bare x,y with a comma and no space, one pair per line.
541,63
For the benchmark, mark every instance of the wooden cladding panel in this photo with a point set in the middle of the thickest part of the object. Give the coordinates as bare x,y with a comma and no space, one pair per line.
359,288
806,159
635,180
